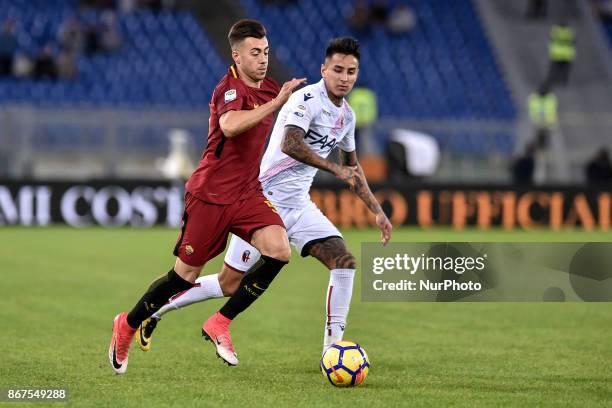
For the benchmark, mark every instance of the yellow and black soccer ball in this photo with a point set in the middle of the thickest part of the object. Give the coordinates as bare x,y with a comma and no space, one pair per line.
345,364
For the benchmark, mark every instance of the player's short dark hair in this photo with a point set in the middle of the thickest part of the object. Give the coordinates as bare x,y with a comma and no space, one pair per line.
245,28
343,45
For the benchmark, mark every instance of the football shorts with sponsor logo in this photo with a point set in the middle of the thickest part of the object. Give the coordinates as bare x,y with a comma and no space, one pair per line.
305,227
205,226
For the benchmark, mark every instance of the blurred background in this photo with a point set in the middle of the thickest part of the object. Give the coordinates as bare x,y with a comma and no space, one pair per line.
470,112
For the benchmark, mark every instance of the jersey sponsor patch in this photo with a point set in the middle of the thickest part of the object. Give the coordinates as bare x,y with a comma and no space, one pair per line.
300,110
307,96
229,95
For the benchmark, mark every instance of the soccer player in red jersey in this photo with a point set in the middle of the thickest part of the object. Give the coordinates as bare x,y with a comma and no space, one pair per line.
224,195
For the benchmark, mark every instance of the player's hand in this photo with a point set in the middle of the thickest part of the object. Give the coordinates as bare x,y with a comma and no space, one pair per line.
385,228
286,91
346,174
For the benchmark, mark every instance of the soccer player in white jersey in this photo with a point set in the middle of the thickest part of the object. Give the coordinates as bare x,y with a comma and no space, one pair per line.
314,121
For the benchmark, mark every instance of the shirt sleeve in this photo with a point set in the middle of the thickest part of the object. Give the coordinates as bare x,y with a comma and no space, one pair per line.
230,97
299,114
348,141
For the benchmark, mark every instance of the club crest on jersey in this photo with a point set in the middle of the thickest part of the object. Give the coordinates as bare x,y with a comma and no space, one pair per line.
313,138
230,95
246,255
189,250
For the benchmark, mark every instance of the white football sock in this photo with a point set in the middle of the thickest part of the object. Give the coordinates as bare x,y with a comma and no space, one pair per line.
206,287
337,304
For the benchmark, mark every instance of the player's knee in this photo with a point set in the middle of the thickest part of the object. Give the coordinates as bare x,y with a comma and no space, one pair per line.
346,261
280,251
187,272
272,241
283,254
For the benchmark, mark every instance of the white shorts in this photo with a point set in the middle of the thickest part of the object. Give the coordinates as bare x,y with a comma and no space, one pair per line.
305,227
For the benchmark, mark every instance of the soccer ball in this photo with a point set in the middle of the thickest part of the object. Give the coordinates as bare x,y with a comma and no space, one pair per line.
345,364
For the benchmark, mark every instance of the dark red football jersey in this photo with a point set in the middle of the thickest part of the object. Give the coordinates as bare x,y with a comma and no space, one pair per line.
229,169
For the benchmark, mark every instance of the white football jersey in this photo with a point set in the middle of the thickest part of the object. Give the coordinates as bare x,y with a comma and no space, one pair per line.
286,181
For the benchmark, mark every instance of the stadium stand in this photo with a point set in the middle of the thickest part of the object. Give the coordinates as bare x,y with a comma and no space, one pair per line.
444,68
166,59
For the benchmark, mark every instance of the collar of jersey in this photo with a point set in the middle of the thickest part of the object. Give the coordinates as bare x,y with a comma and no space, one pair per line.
327,103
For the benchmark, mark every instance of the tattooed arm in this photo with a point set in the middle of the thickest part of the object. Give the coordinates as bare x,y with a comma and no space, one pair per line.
294,146
362,189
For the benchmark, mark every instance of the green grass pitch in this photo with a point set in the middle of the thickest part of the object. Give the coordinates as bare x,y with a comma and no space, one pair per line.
60,289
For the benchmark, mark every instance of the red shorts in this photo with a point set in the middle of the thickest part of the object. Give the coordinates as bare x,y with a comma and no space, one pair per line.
206,226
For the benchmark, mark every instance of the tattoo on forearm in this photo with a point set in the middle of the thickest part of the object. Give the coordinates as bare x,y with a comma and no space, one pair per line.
363,191
361,187
294,145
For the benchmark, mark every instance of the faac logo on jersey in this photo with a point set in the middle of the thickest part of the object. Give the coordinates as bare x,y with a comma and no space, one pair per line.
326,142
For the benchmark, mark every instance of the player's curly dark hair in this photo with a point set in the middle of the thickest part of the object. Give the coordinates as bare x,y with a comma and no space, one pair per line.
343,45
245,28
